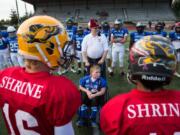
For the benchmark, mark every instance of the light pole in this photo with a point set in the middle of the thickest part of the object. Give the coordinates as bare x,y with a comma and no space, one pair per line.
25,9
17,10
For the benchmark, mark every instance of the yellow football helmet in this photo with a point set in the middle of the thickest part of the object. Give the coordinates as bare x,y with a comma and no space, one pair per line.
42,38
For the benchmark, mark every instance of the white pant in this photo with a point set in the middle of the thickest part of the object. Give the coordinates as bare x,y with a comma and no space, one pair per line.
16,59
176,45
178,56
79,55
109,54
4,58
118,52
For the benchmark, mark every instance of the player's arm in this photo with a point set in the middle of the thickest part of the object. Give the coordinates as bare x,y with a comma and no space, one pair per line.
124,39
112,38
103,86
66,129
101,92
84,51
83,89
74,44
85,58
105,49
116,39
81,86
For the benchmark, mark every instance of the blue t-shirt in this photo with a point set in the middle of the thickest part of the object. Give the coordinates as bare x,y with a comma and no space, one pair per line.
3,43
106,33
71,31
78,39
162,33
87,83
4,34
13,44
87,31
135,36
119,33
174,36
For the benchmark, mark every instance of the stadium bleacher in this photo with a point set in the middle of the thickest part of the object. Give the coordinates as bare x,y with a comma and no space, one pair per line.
131,10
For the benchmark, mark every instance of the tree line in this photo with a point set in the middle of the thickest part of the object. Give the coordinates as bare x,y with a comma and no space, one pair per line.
13,19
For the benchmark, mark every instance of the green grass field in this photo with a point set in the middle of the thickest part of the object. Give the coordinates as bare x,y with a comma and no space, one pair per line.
116,86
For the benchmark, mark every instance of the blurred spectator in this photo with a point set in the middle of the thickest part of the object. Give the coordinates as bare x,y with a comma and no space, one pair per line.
150,24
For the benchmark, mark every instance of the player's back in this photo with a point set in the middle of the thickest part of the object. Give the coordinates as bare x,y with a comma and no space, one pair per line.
71,31
78,38
142,113
13,45
33,103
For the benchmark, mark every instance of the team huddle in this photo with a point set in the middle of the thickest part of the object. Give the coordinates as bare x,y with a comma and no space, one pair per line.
116,37
34,101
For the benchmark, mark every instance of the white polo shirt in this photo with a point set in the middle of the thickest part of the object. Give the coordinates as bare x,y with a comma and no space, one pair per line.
94,46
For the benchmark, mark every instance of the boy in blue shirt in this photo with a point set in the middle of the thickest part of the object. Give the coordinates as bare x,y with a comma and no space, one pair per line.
93,88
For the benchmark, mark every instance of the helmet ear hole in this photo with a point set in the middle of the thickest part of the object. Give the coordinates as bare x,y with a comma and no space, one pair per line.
51,45
130,79
49,50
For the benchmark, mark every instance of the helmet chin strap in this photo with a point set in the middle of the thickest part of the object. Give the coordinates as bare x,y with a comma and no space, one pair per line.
65,54
43,55
67,59
130,80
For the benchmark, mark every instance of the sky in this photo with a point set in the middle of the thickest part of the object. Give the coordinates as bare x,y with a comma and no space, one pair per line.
7,5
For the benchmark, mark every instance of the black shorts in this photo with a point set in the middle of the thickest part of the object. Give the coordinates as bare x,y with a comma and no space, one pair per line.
97,101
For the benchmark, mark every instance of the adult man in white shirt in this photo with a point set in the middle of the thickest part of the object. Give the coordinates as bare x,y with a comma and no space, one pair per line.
95,48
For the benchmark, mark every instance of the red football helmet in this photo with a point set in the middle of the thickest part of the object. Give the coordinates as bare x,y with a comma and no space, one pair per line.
177,27
93,23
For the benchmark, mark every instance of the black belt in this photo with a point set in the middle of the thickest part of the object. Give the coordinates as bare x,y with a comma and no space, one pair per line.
93,61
